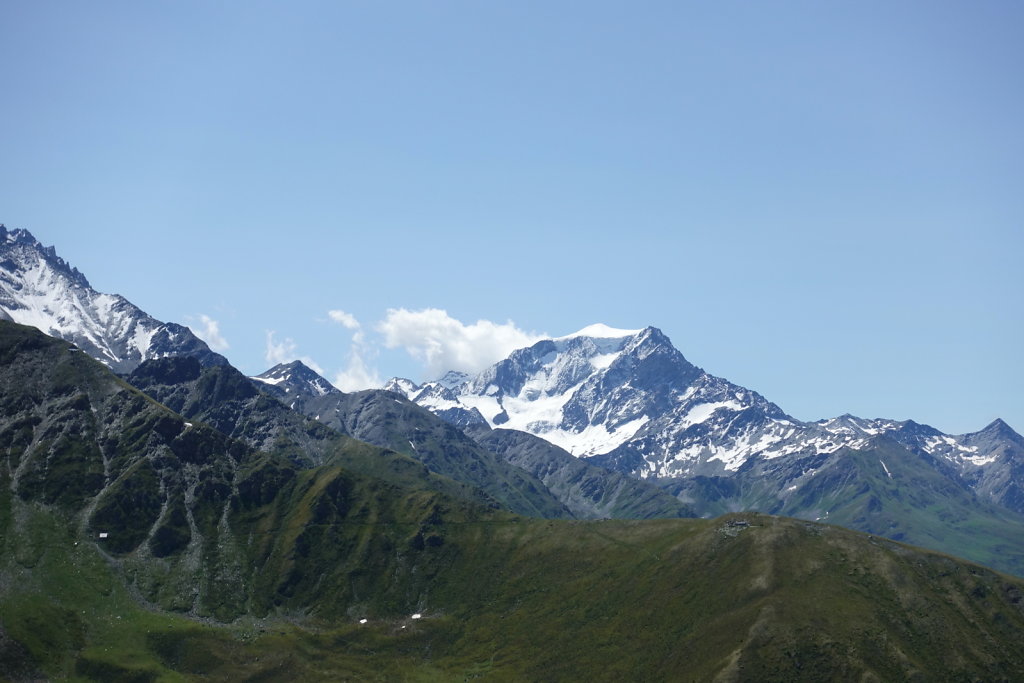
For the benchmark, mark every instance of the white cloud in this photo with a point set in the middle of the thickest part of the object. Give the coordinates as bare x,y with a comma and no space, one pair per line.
210,333
346,319
357,374
279,352
285,351
443,343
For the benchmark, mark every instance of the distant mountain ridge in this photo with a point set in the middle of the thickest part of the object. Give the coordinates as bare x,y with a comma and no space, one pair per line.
40,289
601,388
629,400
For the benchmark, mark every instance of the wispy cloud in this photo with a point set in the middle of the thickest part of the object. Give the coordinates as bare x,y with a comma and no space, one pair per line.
444,343
431,336
357,374
208,330
344,319
285,351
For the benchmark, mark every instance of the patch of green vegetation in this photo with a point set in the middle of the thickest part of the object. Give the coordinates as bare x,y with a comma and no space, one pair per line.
918,506
173,534
65,471
128,509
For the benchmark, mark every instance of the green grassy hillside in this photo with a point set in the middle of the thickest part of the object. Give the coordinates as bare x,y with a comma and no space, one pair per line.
908,502
524,599
882,489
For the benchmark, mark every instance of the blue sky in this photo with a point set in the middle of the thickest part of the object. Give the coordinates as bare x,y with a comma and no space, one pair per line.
823,202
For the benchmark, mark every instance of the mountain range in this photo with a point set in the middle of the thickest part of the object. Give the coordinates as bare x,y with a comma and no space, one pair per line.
630,401
600,423
178,486
138,545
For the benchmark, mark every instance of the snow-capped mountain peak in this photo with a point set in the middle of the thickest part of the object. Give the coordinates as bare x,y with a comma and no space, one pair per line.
587,392
402,386
295,378
40,289
629,400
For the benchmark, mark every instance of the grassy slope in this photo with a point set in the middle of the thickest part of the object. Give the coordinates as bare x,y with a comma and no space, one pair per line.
526,599
912,502
916,505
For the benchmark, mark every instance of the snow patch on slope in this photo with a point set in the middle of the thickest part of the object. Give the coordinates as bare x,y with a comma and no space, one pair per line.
272,381
594,439
701,412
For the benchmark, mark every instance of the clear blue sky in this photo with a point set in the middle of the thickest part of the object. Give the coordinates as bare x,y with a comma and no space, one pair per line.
822,201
